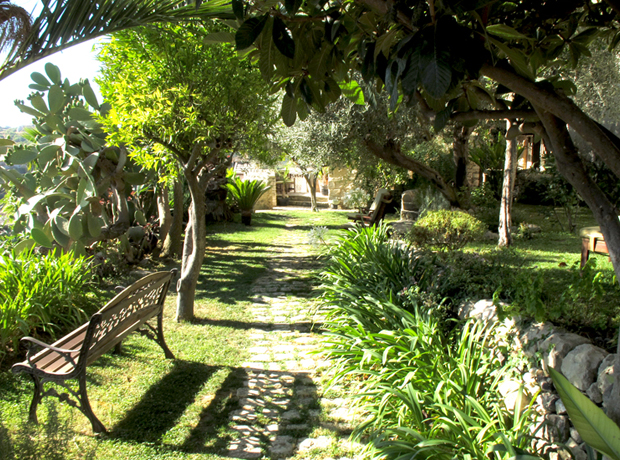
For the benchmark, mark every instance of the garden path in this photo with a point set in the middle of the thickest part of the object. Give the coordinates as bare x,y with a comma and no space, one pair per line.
282,409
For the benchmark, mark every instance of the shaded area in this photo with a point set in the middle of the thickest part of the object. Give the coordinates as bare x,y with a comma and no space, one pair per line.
304,326
163,404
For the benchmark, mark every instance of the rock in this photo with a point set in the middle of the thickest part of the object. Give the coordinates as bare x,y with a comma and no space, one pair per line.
512,391
491,236
605,373
557,428
574,434
560,408
321,442
578,452
464,308
531,336
483,310
580,366
548,401
594,393
555,347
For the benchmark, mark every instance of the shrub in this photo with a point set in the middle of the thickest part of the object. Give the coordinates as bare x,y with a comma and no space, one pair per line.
427,392
445,229
41,294
366,260
245,193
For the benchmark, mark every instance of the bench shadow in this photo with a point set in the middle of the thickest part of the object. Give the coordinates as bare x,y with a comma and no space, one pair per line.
163,404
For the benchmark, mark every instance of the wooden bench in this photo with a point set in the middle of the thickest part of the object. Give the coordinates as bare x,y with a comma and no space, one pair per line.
592,240
68,357
377,210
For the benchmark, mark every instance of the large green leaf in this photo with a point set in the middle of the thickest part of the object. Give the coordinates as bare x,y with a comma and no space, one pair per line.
219,37
282,38
595,428
22,157
289,111
353,92
437,75
41,238
249,32
53,72
504,31
89,95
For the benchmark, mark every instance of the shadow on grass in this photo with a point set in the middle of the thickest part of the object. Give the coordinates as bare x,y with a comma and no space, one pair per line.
164,403
214,435
304,326
228,276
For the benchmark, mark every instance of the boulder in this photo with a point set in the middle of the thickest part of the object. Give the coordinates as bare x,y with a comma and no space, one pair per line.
483,310
558,428
555,347
594,393
605,377
580,366
531,336
512,391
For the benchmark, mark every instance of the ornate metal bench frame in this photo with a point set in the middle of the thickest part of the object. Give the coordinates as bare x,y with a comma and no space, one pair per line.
69,357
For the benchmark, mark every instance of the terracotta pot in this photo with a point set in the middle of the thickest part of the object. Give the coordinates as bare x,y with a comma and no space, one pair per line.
246,217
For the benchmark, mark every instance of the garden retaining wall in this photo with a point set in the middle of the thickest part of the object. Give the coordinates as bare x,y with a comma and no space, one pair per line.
543,345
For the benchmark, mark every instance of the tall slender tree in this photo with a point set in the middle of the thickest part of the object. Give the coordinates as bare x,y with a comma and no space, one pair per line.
177,98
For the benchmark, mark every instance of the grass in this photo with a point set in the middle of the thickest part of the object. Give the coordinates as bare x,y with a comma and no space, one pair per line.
160,409
156,408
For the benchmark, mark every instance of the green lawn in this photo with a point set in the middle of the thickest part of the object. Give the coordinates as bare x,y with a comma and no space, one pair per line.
193,395
155,408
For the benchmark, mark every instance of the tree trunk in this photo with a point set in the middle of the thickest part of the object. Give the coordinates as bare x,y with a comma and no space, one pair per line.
572,168
173,244
460,149
311,181
536,155
194,247
510,174
163,210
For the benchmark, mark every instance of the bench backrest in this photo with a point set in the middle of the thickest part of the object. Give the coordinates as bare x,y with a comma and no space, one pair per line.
124,314
380,204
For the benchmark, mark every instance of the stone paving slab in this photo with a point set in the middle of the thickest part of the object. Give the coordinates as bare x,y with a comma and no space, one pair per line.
279,402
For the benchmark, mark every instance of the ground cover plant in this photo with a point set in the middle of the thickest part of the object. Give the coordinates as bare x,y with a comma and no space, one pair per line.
157,408
429,386
42,295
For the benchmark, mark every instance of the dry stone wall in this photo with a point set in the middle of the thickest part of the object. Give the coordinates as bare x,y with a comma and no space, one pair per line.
585,365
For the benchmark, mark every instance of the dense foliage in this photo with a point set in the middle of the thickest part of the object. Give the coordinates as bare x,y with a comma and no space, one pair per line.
445,229
429,389
41,294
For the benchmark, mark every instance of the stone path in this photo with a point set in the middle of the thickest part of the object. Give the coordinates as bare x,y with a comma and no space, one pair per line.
282,411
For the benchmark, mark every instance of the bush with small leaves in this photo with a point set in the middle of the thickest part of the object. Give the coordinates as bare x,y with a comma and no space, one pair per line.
449,230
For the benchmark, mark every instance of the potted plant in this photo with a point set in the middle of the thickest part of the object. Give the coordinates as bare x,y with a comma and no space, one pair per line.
245,194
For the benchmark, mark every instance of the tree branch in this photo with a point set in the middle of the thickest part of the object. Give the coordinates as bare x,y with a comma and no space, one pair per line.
390,152
563,108
495,115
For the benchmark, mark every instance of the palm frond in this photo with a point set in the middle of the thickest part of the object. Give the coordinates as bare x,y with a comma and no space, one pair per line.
64,23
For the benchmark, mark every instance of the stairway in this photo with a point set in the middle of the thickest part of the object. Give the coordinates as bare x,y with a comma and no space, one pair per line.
304,201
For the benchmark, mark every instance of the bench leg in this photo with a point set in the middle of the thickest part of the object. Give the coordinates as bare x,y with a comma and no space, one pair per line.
87,410
160,337
585,253
36,399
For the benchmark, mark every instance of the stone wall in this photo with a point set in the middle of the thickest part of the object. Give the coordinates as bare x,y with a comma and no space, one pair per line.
340,182
268,200
585,365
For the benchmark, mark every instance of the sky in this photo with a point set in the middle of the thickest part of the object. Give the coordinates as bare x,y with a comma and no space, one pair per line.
75,63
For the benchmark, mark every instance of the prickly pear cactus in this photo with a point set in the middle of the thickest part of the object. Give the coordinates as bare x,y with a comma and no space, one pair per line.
75,187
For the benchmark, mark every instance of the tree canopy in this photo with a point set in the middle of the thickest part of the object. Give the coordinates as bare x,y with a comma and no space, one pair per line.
175,96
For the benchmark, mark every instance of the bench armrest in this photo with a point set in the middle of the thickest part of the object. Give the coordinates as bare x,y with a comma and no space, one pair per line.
65,353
